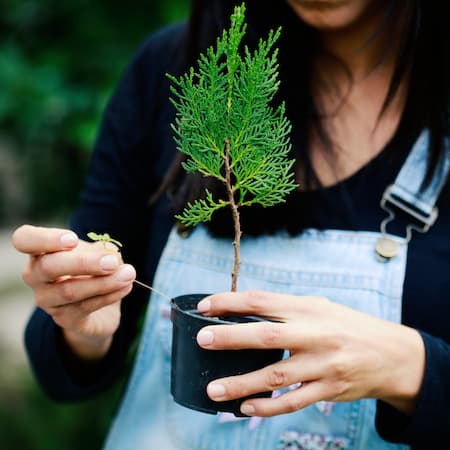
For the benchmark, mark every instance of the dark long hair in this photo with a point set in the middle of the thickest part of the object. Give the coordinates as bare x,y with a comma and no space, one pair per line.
420,27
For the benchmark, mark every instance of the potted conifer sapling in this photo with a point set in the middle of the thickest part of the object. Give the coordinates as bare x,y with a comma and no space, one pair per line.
228,128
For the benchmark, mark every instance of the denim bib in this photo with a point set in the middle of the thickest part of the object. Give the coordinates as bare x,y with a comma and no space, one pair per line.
340,265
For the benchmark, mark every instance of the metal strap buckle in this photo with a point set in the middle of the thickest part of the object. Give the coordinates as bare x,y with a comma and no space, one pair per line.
390,200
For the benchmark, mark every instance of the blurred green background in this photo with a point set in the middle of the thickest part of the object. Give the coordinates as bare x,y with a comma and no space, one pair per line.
59,62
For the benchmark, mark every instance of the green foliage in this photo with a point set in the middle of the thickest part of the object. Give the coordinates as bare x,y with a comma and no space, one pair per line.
229,100
59,62
30,421
200,210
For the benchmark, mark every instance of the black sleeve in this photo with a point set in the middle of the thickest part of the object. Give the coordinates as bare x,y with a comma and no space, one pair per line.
429,426
125,168
61,374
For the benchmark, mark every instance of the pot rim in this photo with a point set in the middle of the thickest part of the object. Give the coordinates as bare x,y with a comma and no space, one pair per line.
195,314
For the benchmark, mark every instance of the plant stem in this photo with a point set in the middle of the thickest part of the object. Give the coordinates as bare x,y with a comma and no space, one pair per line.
236,218
152,289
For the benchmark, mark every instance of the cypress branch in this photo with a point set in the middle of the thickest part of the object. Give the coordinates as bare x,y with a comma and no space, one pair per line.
229,130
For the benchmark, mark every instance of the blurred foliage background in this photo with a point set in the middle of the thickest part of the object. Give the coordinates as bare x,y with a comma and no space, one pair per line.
59,62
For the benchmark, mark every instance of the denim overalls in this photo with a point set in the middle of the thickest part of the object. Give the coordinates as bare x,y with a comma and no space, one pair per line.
340,265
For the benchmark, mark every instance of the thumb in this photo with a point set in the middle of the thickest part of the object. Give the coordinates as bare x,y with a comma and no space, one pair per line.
38,240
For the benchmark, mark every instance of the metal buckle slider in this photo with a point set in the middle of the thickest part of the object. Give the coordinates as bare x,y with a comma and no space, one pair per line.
390,200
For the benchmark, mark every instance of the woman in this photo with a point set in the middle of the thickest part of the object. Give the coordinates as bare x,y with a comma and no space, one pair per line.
366,88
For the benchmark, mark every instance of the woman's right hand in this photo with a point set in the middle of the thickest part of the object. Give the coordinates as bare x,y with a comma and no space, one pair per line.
79,284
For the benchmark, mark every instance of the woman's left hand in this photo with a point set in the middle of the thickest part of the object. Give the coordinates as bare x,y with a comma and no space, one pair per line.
336,353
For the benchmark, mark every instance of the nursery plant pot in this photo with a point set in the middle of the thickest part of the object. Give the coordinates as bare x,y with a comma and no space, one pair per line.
194,367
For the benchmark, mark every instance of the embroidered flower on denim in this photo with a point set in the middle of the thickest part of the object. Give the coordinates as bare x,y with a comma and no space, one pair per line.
293,440
325,408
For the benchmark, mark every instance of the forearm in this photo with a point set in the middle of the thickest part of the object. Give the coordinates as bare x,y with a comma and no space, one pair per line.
62,375
429,423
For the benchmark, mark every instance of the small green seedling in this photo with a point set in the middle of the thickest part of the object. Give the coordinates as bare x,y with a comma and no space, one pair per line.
103,238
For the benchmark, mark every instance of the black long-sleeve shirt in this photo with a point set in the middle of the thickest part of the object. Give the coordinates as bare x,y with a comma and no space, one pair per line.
133,151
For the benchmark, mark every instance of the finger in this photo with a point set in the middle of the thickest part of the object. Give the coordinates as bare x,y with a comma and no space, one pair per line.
76,289
90,305
271,378
270,305
84,261
68,315
38,240
291,401
260,335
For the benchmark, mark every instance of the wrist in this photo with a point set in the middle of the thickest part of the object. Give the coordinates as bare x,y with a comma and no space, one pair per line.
89,348
404,381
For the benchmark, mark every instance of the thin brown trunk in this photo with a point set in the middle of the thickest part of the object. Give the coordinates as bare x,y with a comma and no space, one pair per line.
236,219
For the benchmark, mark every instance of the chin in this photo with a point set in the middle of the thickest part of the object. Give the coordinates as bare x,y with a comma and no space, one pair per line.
333,15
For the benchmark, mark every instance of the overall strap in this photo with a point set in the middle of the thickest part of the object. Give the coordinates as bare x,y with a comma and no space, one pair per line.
406,195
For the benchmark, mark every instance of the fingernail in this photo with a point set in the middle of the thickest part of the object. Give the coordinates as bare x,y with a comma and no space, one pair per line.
216,390
125,273
109,262
68,239
204,306
205,337
247,409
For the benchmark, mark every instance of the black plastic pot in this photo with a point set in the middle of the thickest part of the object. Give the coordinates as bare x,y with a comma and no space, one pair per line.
194,367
